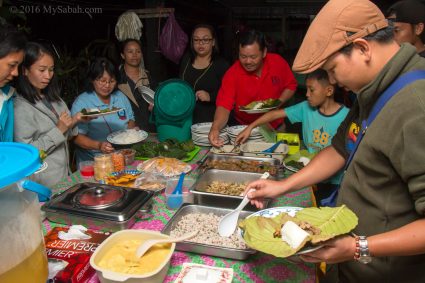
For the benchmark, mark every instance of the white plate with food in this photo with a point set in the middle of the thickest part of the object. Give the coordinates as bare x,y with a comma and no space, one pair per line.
275,231
260,106
126,137
275,211
96,112
257,111
290,210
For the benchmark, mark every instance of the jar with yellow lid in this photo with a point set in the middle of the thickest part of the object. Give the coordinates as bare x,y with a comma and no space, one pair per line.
103,166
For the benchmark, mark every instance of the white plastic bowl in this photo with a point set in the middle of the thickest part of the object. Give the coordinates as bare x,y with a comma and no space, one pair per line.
107,276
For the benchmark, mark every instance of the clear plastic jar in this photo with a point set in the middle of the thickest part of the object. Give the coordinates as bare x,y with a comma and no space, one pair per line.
103,166
118,161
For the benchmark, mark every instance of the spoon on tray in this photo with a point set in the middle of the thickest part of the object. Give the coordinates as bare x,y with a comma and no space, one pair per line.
273,147
146,245
228,223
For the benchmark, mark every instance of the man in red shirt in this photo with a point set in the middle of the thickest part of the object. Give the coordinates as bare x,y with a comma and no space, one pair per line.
257,75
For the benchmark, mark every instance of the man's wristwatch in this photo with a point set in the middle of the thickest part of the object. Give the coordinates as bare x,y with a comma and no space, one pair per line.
363,250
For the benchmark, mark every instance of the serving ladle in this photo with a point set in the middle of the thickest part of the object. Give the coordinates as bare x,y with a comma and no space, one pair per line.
273,147
146,245
228,223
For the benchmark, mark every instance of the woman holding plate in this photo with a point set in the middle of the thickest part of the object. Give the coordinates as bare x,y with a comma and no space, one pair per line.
44,120
203,69
134,77
101,94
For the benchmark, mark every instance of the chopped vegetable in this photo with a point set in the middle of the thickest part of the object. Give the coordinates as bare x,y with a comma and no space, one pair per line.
169,148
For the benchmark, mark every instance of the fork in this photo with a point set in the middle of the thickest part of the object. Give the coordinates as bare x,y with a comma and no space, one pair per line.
236,147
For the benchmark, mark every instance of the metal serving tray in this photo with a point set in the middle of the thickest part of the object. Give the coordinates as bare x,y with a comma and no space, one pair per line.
202,197
219,157
187,246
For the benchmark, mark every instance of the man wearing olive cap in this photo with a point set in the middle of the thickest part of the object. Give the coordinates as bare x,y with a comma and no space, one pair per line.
384,184
408,17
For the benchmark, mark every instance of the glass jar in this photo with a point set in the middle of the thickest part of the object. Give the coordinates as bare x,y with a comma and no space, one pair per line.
103,166
118,161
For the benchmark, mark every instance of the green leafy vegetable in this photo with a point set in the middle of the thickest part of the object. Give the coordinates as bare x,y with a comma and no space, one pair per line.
295,164
259,232
169,148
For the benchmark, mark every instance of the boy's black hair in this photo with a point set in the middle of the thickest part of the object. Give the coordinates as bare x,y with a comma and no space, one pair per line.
319,74
322,76
33,52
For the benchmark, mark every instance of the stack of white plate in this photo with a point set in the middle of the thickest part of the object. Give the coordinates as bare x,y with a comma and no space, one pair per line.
255,136
200,133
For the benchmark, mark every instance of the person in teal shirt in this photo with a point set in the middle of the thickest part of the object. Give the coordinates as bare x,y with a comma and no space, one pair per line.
320,116
101,93
12,44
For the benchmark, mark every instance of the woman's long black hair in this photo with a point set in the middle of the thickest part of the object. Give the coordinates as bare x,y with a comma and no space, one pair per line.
33,52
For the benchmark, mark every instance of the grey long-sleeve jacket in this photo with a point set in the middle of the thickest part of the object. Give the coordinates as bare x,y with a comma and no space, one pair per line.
36,125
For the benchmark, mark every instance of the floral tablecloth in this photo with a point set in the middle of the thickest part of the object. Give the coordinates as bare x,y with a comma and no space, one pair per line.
257,268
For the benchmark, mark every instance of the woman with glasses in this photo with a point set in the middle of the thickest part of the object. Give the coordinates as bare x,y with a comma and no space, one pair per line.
133,75
203,69
101,93
44,119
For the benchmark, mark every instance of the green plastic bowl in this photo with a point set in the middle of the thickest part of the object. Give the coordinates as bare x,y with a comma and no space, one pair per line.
174,100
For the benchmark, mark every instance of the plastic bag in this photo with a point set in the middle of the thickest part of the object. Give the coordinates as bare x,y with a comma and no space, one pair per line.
173,40
164,166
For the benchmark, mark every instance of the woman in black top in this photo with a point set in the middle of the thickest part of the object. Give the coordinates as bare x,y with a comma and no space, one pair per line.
203,69
132,75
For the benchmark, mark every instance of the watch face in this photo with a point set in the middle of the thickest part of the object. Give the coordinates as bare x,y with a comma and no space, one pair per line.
365,259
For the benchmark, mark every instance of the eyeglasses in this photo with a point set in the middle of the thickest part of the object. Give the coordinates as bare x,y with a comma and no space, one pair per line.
104,82
202,40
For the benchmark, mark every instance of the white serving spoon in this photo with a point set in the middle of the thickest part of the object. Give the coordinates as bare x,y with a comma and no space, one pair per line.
228,223
146,245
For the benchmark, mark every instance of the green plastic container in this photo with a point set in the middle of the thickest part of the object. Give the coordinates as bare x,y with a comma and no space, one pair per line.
174,105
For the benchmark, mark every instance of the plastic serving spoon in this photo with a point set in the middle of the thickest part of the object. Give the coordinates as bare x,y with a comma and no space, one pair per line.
273,147
228,223
146,245
176,197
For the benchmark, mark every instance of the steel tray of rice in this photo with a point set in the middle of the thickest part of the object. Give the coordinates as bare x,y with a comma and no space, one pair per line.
208,242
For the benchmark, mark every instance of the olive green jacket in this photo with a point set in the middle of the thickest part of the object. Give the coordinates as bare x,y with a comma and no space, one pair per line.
385,182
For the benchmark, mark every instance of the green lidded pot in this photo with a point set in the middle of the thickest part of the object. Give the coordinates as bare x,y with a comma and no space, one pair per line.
174,105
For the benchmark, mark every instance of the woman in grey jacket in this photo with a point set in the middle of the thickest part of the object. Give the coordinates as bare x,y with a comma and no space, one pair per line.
42,117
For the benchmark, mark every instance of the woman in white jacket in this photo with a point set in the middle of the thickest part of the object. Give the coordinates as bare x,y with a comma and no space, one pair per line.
42,117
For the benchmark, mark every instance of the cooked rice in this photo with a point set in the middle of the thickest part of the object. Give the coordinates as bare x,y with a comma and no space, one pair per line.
207,224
